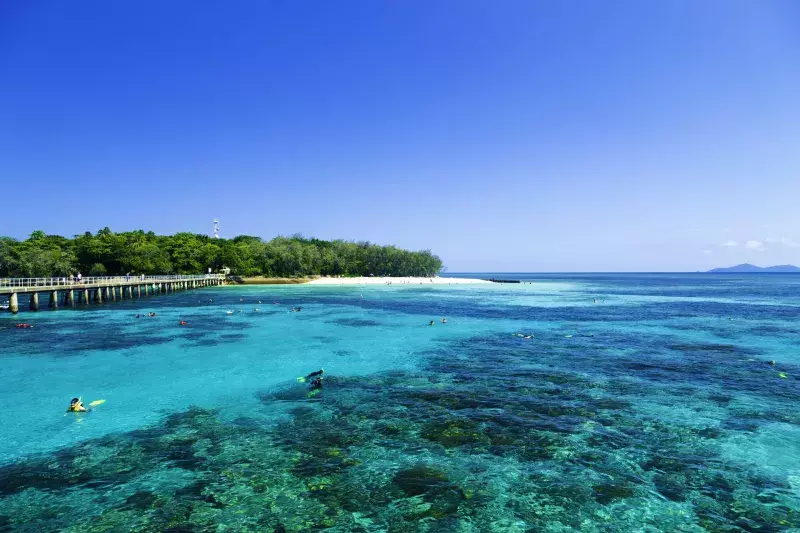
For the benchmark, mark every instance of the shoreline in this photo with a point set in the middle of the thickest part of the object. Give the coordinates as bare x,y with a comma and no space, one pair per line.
372,280
264,280
411,281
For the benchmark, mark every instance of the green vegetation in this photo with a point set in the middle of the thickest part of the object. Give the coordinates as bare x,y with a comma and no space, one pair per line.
107,253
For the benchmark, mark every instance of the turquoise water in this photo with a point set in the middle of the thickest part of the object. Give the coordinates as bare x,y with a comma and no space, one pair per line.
655,408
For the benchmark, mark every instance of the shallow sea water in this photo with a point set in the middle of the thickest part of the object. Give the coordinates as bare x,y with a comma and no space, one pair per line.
654,409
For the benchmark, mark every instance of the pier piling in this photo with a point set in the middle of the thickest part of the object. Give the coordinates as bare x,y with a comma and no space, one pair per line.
34,305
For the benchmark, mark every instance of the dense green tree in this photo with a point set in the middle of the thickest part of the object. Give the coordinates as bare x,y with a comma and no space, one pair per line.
139,252
8,256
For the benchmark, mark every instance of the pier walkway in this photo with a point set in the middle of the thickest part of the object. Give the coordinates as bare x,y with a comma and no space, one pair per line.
97,289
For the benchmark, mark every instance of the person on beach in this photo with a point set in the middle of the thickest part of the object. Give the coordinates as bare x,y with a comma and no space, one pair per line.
76,406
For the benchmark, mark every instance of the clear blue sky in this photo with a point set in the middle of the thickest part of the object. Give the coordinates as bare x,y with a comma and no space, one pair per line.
513,135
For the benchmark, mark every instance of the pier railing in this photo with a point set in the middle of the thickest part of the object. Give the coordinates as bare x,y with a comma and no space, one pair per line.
100,280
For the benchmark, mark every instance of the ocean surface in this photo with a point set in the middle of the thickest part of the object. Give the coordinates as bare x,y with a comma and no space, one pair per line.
640,402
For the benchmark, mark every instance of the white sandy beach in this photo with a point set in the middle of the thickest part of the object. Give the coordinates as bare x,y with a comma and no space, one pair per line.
395,281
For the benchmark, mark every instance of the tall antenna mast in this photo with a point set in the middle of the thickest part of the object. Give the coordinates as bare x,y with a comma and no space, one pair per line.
216,228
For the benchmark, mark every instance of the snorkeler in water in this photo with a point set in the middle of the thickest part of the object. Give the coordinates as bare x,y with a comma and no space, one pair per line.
76,406
317,374
314,380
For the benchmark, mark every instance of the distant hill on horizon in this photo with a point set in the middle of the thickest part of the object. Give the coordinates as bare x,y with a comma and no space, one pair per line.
747,267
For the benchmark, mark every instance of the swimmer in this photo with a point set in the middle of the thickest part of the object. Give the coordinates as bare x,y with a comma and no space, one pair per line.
151,314
182,322
228,312
256,309
315,384
431,323
444,320
241,299
138,316
528,337
76,406
772,362
317,374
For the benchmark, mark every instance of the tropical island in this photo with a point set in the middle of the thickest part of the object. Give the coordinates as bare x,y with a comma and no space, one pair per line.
107,253
747,268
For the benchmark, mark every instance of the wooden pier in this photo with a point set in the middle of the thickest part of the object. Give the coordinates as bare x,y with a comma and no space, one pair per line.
68,292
